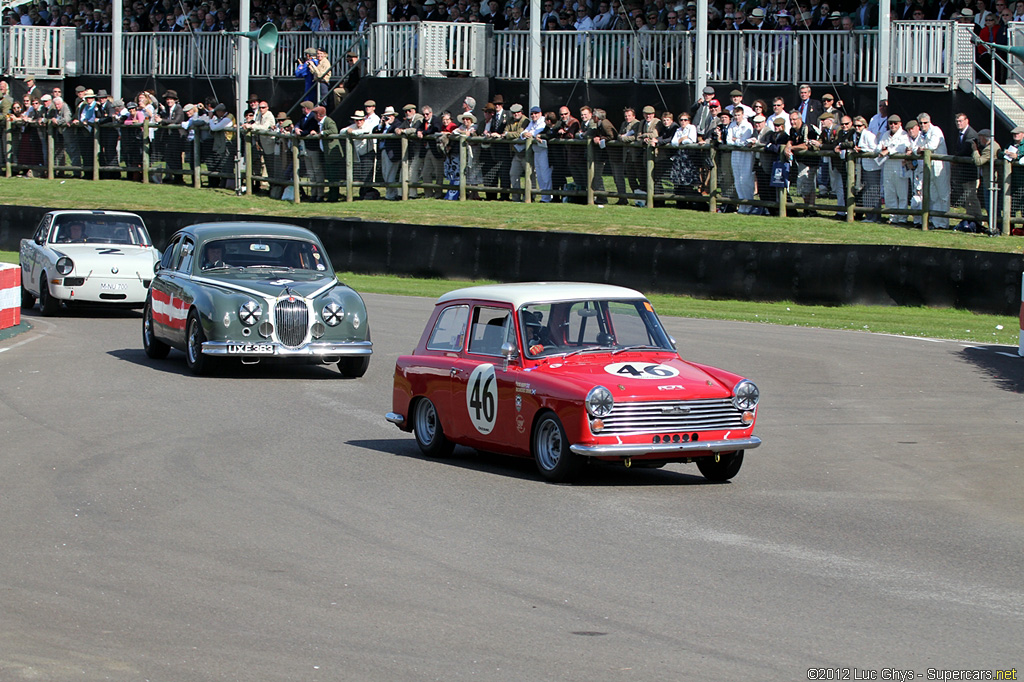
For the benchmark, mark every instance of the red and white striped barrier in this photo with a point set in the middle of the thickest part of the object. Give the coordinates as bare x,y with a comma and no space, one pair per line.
10,295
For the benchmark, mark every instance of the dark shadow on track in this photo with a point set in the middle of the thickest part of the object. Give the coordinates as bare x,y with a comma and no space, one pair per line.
595,474
174,363
1006,372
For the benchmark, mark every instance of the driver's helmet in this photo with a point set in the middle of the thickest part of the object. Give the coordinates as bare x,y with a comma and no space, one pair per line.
533,319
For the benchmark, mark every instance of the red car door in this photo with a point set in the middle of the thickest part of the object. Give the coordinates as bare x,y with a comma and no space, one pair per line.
483,400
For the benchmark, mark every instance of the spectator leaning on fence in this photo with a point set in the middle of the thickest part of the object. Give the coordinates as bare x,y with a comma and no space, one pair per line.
931,137
1014,153
737,135
984,150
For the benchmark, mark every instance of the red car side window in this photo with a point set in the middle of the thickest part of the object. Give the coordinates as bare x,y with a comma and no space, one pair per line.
449,331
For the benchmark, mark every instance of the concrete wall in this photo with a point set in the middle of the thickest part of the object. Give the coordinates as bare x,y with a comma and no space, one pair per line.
805,273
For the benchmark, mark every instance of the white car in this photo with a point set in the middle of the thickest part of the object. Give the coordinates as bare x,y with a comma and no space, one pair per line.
94,257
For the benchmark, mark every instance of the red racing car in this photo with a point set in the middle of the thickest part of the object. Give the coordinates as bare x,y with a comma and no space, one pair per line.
566,372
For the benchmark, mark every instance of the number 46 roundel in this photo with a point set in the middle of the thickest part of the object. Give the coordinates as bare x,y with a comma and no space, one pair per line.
641,370
482,398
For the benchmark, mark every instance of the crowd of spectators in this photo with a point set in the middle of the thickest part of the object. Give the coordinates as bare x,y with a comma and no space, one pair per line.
991,16
761,147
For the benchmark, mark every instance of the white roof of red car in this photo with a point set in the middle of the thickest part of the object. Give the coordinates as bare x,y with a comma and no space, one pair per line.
521,293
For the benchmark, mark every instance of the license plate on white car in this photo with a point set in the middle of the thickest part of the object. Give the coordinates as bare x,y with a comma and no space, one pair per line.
251,348
113,286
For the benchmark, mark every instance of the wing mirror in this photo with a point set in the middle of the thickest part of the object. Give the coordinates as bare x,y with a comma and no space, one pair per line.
156,267
508,351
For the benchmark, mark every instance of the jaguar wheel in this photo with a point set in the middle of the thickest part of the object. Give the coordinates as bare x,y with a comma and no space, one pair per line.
727,466
48,305
551,450
354,367
194,338
154,348
429,433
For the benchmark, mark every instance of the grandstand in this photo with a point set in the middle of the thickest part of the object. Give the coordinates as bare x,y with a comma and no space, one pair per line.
602,67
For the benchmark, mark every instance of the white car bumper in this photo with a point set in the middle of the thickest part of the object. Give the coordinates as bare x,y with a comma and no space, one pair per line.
95,289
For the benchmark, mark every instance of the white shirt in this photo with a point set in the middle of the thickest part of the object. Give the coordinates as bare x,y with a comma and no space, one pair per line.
685,135
738,133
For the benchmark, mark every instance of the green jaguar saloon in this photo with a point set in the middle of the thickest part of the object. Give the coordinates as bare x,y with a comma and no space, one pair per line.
253,291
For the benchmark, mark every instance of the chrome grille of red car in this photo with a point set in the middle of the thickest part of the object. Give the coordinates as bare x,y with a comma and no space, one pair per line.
292,321
673,415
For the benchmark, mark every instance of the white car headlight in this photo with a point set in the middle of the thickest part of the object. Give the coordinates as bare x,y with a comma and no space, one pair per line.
65,265
249,313
333,314
599,402
745,395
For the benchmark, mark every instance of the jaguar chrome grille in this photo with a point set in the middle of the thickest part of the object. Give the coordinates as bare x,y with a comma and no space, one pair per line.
292,318
673,415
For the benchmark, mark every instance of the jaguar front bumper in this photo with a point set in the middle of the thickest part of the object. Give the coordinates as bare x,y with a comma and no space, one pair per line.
270,349
655,449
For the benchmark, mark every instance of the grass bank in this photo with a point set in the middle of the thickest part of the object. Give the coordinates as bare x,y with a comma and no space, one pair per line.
668,222
621,220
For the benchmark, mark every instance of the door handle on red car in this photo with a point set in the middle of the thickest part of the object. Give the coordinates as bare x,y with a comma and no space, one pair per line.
454,371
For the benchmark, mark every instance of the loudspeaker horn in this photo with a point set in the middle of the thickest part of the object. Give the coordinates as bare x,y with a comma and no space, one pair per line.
265,37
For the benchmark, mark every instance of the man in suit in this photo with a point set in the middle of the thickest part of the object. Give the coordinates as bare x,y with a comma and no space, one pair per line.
390,152
866,15
428,165
313,159
625,165
810,109
330,145
172,138
965,175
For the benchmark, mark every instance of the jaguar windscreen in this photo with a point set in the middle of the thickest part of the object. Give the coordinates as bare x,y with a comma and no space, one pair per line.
263,252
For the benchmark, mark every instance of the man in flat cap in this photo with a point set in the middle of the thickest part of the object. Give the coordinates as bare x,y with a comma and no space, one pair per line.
894,181
311,156
352,73
304,70
701,111
330,145
985,149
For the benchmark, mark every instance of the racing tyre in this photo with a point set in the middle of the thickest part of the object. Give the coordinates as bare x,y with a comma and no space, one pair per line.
154,348
194,338
429,434
48,305
27,299
551,450
727,466
354,367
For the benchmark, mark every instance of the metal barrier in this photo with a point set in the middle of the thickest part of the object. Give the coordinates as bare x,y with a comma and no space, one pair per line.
923,188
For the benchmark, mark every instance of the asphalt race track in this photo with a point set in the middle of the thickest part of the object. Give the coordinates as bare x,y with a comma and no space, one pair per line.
268,524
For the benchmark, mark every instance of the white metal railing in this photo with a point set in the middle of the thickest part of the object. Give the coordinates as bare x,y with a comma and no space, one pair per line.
202,54
924,53
931,53
35,50
820,57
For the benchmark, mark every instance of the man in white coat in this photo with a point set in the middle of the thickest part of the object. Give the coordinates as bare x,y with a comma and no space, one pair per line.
737,134
541,167
894,181
870,168
939,188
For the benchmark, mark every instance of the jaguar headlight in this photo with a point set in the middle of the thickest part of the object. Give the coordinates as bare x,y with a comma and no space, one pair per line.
599,402
332,314
65,265
250,313
745,395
